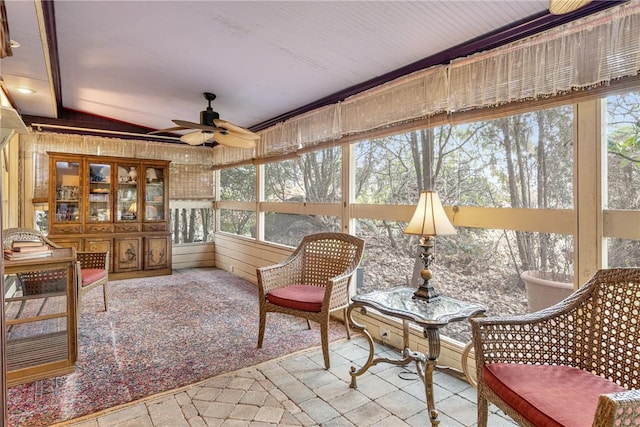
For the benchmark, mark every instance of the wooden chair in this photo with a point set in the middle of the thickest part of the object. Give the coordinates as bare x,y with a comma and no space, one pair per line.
576,363
94,272
311,283
93,268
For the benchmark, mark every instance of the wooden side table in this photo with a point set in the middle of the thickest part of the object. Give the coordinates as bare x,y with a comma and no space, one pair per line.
431,316
40,316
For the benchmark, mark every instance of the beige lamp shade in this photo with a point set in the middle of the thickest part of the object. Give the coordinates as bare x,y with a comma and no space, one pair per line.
430,219
560,7
152,175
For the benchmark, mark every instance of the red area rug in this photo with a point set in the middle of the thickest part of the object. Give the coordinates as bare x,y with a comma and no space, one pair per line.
160,333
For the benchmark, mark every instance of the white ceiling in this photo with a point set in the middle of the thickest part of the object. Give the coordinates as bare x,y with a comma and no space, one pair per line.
147,62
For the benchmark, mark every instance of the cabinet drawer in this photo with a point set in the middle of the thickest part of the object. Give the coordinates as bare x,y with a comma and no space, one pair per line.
66,229
154,226
99,228
126,228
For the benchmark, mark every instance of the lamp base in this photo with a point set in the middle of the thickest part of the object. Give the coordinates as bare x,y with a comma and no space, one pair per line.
426,292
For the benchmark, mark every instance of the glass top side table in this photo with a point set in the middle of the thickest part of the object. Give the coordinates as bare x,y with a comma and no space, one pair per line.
431,316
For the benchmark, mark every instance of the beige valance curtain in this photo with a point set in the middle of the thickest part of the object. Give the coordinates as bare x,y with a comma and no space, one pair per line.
191,175
589,52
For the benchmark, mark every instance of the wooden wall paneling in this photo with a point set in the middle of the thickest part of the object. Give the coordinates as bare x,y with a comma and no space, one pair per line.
242,256
194,255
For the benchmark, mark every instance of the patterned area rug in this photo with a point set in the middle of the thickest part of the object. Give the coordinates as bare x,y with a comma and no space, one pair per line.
160,333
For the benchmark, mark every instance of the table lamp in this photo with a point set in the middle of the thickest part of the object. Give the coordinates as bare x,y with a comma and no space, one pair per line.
429,220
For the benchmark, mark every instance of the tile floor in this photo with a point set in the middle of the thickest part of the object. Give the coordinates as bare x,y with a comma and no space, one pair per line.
297,391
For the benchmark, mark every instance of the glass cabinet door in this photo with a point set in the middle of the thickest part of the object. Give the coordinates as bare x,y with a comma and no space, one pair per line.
99,192
154,194
68,192
128,206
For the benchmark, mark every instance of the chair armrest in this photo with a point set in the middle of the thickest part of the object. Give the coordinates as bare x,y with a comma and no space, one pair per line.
338,289
288,272
618,409
97,260
532,338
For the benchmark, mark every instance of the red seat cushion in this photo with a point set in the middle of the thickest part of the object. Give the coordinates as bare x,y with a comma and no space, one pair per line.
559,396
298,297
90,275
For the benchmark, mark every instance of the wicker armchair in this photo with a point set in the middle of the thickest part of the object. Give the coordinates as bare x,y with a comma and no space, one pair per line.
576,363
312,282
93,266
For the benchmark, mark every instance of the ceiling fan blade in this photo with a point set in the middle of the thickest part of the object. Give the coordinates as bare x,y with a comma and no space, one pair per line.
197,138
560,7
233,140
167,130
193,125
240,131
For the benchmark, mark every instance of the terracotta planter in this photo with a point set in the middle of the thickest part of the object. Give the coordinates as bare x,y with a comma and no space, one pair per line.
545,288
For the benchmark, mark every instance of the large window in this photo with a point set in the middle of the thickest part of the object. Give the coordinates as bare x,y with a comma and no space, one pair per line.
238,185
302,196
191,221
521,161
313,177
623,174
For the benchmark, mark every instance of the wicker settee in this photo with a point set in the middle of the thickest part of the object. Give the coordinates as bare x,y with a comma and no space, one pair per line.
574,364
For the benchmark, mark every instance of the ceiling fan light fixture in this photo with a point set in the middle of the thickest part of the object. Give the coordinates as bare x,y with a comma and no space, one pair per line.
212,128
560,7
196,138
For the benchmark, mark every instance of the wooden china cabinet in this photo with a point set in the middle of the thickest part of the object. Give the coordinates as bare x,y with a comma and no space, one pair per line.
100,203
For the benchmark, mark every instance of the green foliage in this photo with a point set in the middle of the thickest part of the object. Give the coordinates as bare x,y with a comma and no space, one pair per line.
242,223
238,183
314,177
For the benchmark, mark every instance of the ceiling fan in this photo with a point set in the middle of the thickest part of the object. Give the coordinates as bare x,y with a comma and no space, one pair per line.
212,128
560,7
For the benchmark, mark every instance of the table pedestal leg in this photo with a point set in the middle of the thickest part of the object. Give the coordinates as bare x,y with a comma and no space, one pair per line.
433,338
371,361
425,364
